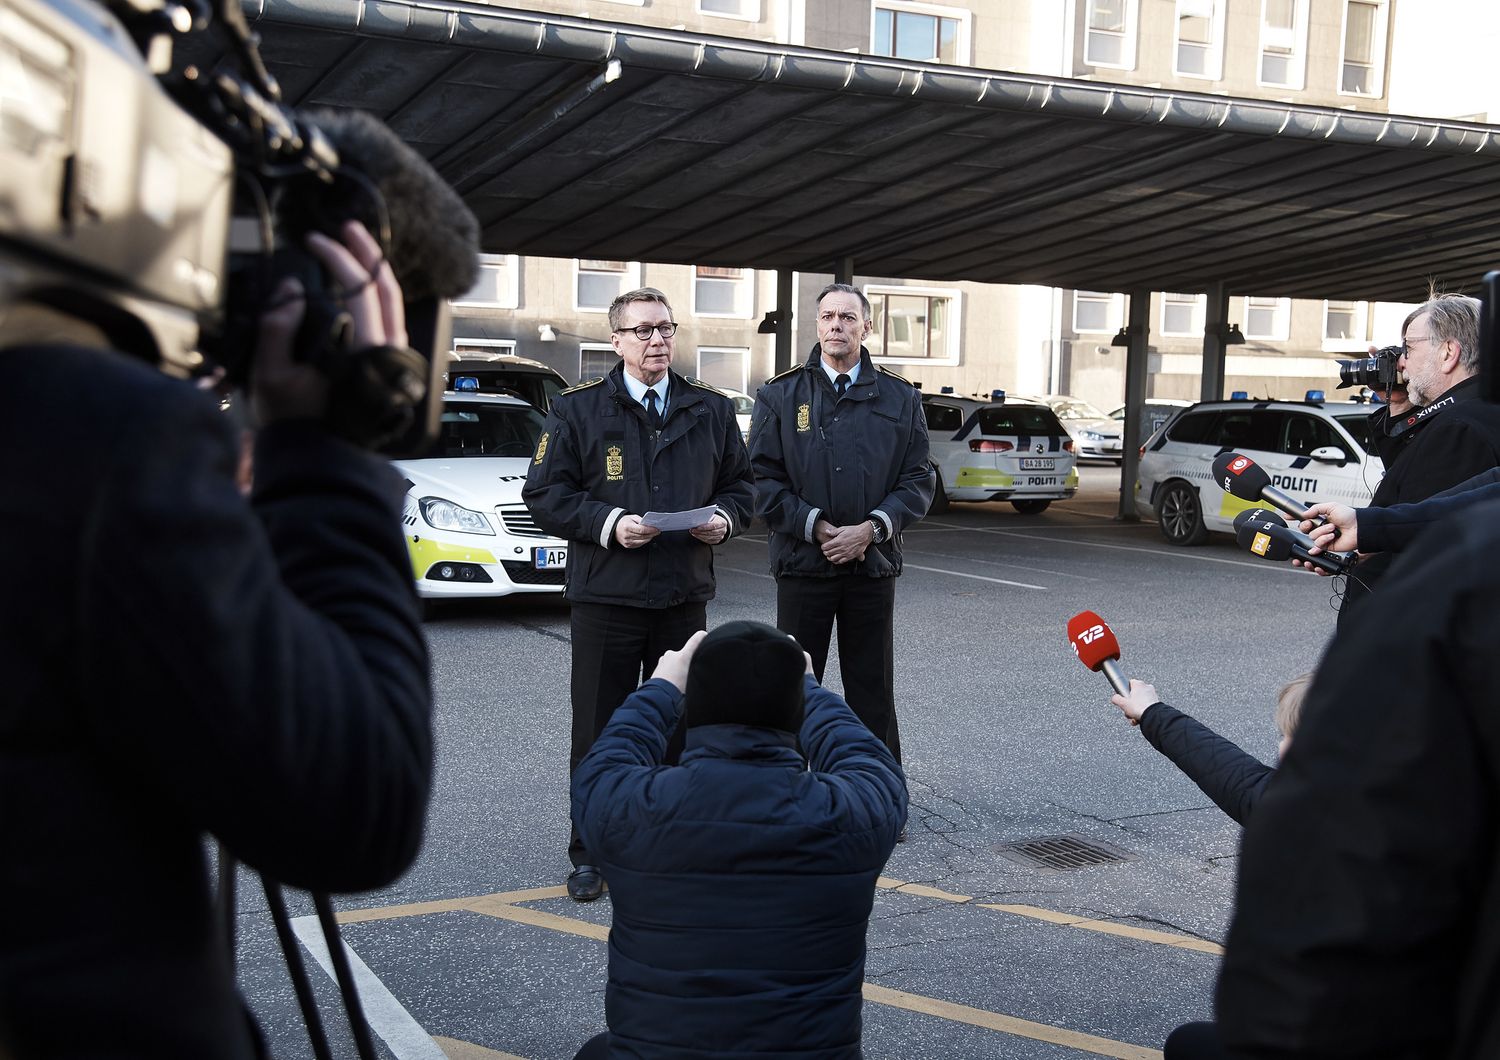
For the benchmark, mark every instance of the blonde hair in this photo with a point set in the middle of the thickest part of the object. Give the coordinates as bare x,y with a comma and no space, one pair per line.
1289,704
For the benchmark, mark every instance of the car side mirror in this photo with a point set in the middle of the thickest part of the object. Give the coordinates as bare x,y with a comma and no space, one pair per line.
1330,454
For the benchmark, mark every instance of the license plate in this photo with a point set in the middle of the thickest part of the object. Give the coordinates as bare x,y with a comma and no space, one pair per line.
549,558
1037,463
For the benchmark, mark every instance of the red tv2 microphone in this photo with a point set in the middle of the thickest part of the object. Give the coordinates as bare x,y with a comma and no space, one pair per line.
1095,645
1242,477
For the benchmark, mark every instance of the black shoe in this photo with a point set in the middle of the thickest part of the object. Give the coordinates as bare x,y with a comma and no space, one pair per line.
901,835
585,884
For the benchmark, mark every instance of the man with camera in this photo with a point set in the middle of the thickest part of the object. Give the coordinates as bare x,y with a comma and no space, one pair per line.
1451,437
181,661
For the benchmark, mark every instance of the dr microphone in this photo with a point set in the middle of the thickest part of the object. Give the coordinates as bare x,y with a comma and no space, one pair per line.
1242,477
1096,647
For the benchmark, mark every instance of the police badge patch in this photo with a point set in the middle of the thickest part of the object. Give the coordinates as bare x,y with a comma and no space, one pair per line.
804,417
614,463
541,448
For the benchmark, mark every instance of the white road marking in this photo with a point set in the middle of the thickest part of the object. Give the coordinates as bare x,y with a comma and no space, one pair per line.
976,577
387,1016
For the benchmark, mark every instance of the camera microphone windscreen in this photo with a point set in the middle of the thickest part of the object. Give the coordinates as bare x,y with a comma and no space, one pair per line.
1096,647
1242,477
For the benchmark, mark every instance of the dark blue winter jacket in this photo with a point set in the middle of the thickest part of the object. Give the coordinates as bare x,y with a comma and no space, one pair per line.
742,880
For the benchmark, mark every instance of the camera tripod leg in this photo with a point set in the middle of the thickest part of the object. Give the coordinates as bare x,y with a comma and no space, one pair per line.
297,970
357,1023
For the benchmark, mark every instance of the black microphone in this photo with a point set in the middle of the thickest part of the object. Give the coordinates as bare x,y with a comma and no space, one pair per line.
1264,533
1242,477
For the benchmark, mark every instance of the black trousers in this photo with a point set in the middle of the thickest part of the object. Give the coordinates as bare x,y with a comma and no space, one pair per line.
808,608
615,648
1194,1041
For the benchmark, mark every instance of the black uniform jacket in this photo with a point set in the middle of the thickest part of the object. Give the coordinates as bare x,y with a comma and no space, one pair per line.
179,661
1367,920
1453,439
816,456
1225,773
598,460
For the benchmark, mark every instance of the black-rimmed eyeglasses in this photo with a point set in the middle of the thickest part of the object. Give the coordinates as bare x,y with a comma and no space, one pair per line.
643,331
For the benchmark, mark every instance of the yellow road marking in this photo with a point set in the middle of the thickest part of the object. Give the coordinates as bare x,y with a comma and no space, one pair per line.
978,1017
920,889
1161,938
454,1049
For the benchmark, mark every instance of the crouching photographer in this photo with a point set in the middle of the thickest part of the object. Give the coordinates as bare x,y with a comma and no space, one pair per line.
182,661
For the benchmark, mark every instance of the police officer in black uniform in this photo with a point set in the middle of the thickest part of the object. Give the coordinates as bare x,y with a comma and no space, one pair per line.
839,449
642,439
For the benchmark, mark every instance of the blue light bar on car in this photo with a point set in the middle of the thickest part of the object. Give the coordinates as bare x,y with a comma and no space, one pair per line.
1240,395
997,395
1315,395
466,382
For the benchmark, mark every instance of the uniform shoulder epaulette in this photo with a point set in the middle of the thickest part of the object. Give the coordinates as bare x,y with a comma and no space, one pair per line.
582,386
783,375
701,385
893,375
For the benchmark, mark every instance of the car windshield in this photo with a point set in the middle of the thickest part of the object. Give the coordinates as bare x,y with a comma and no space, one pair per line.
481,429
743,406
1076,410
1018,419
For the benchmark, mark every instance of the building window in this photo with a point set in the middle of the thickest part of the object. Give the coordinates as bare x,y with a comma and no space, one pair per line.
1362,61
1344,325
1095,311
1268,318
1200,39
480,349
920,31
744,10
497,286
914,324
1110,39
1283,43
723,292
1182,314
726,367
595,360
598,282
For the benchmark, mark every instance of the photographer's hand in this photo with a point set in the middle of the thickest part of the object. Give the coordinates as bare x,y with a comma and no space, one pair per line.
284,389
1142,696
1340,533
673,665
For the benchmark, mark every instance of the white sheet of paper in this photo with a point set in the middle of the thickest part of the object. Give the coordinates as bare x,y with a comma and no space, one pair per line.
678,520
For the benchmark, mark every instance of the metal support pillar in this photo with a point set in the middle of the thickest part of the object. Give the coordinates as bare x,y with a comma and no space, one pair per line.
1215,327
843,271
784,308
1135,397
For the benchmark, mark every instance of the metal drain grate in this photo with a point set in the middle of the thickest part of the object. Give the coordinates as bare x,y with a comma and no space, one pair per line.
1064,852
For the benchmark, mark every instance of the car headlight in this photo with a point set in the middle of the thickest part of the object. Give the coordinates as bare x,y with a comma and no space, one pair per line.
445,515
1092,436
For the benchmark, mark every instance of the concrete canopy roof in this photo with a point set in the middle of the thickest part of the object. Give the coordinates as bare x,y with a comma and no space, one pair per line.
716,151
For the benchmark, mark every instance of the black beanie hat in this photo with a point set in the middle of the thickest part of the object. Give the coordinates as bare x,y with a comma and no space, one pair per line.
746,673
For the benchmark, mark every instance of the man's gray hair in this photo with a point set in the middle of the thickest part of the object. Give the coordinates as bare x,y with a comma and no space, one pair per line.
1452,318
846,288
640,294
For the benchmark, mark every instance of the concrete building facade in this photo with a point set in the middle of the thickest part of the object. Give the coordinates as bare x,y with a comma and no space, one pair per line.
975,337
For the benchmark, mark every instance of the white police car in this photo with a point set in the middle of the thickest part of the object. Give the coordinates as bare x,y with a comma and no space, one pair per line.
1313,450
467,530
998,450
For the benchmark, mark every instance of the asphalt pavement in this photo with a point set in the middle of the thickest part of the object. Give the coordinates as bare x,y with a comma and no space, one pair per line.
975,949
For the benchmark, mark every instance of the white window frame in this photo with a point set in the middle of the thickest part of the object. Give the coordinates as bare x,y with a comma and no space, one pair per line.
963,16
1114,315
743,351
753,5
1127,38
594,347
1298,78
1215,64
631,281
744,295
1198,305
491,347
1358,343
1281,328
510,293
1377,48
955,322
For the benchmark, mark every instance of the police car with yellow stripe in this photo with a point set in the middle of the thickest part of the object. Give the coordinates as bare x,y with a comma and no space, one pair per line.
1315,450
466,528
998,450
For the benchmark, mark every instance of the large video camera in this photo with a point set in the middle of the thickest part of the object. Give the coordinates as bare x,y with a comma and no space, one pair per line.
152,186
1378,372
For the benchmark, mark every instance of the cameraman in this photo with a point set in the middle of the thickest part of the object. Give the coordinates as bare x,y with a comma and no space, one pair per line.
1452,437
182,661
